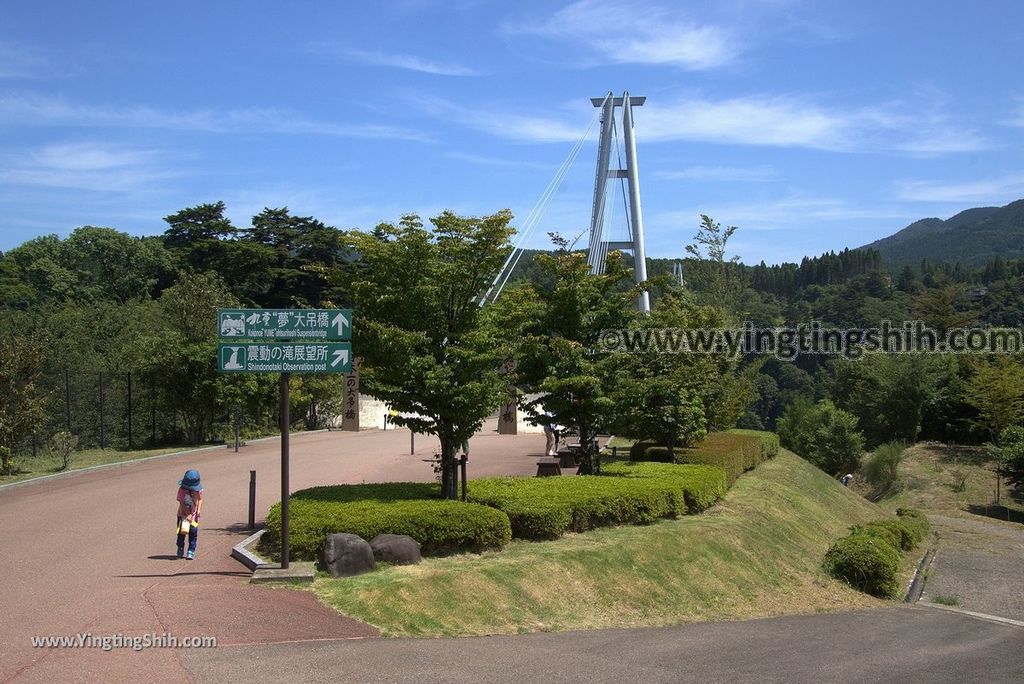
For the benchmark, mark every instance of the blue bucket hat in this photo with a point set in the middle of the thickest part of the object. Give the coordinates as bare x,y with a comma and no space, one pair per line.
191,480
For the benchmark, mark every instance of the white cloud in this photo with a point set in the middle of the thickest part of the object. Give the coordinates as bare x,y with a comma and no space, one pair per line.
92,166
752,174
625,33
411,63
987,191
34,110
774,121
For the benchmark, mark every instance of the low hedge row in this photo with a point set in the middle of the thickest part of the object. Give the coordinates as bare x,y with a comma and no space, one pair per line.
735,451
546,508
869,557
441,527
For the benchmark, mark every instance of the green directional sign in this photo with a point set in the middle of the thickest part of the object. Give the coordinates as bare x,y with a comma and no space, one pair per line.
284,324
284,357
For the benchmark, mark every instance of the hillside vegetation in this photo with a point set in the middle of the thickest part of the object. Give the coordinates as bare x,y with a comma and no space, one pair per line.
757,553
973,237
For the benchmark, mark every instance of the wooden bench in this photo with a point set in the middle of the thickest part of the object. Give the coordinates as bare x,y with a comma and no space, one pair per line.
547,467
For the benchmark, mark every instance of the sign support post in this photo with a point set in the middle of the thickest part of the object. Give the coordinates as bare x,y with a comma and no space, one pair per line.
285,424
284,341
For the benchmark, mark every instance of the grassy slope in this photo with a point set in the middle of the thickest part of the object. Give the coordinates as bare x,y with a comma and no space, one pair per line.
757,553
948,480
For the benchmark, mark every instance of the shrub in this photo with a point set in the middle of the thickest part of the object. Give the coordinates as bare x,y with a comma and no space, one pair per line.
440,526
866,562
882,467
63,446
546,508
892,531
915,524
735,451
701,485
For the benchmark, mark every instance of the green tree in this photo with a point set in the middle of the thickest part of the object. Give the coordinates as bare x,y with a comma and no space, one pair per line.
1010,455
557,331
22,407
823,434
718,276
996,390
419,329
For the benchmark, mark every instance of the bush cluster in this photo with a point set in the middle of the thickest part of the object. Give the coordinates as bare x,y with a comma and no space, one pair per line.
441,527
736,451
865,562
869,557
546,508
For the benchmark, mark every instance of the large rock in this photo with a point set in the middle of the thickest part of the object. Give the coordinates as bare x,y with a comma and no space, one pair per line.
345,555
397,549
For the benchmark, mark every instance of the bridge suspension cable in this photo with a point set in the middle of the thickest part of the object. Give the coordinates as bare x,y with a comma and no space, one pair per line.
533,218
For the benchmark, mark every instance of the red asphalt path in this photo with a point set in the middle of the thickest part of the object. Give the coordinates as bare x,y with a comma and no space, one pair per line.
94,552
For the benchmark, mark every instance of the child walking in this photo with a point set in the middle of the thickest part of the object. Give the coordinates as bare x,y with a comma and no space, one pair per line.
190,504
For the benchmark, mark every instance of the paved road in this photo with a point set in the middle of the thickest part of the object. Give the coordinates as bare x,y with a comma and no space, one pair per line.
979,564
94,553
898,644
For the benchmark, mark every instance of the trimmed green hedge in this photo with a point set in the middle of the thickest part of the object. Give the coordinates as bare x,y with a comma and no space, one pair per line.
701,485
866,562
735,451
441,527
547,507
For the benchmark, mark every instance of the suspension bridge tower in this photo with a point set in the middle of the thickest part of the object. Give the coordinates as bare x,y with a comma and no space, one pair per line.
599,245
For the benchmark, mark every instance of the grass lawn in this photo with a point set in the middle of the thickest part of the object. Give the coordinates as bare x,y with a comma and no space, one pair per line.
755,554
27,467
950,480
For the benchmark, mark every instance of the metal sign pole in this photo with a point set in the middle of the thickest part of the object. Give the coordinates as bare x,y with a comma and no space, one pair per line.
285,420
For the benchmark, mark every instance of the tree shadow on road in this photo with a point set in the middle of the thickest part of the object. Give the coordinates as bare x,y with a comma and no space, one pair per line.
226,573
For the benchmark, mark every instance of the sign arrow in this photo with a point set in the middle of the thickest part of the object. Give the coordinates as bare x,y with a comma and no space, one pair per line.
340,356
340,322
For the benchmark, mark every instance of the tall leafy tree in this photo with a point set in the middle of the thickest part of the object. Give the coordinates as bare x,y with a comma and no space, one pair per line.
418,328
560,355
21,404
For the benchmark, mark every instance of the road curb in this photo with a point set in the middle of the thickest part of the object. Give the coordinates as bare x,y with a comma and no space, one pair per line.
241,553
981,616
917,584
120,464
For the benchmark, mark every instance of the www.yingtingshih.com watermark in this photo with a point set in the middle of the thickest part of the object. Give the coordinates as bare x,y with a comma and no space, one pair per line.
787,343
135,642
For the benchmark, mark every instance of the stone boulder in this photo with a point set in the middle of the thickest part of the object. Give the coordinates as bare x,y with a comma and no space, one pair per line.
397,549
345,555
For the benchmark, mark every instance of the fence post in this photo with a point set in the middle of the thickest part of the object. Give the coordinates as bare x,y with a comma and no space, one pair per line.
102,444
129,409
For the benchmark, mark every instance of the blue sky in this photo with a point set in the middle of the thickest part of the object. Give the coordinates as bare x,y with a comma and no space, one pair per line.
810,125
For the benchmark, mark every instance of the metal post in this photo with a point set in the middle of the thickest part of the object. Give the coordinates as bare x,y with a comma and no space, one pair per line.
636,215
462,466
102,441
152,406
67,397
412,442
252,499
129,409
285,421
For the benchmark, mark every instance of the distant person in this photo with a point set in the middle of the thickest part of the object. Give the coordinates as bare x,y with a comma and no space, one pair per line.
190,505
845,479
551,434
